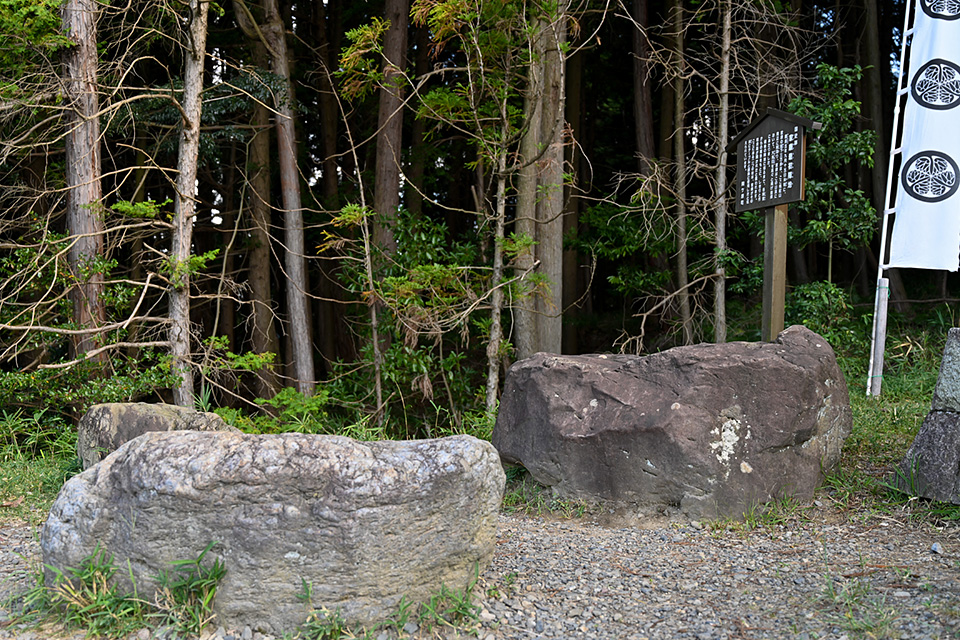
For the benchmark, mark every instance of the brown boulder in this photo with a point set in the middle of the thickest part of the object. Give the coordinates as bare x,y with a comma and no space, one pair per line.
104,427
712,430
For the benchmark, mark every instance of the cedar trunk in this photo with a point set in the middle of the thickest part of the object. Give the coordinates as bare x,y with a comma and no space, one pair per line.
185,204
84,221
390,127
294,257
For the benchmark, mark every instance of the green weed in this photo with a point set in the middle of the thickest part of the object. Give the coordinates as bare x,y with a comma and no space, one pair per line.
29,436
854,606
525,496
86,597
185,596
448,608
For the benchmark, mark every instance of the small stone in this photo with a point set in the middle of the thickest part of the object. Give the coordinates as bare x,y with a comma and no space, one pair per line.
936,548
144,634
411,627
696,524
247,633
901,594
383,636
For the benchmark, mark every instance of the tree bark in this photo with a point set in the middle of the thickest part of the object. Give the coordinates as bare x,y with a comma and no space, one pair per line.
642,89
680,183
496,297
263,333
263,330
328,108
525,315
551,185
185,202
294,258
572,289
720,211
413,197
538,318
84,219
390,127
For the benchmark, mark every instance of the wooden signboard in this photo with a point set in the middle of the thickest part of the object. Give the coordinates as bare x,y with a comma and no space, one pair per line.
771,159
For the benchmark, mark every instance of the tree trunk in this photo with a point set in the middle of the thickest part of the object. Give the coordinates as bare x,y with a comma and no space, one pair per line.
413,196
525,315
538,317
294,258
496,297
720,211
642,89
185,203
550,196
84,219
263,329
390,127
680,185
572,290
329,111
263,333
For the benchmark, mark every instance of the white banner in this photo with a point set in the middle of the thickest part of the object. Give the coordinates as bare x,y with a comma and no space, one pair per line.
926,229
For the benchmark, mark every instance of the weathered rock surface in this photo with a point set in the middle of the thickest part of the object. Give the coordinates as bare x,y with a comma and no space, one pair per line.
710,429
104,427
931,468
362,523
946,396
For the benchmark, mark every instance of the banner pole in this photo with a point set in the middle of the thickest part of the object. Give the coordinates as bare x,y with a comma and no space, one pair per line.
875,372
881,299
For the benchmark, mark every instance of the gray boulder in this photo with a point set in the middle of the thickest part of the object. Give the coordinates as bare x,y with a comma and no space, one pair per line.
931,468
712,430
104,427
362,523
946,396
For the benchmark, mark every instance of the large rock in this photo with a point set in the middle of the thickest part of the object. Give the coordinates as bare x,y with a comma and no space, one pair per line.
710,429
363,523
931,468
946,396
104,427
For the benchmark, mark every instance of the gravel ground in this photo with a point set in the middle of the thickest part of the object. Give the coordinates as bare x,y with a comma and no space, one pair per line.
826,575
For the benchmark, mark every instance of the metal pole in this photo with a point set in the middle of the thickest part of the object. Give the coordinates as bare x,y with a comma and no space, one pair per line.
881,300
875,372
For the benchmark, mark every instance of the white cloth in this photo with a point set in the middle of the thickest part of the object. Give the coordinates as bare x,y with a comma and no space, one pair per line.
926,228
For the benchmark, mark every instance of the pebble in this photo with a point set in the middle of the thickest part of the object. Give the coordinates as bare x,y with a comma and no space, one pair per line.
576,579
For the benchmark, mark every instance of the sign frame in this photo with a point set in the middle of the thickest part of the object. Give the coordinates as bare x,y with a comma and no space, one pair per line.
776,143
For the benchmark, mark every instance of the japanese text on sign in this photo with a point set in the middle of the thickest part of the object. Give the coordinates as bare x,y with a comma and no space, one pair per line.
770,168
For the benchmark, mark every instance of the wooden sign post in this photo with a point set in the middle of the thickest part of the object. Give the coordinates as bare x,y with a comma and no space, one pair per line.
771,159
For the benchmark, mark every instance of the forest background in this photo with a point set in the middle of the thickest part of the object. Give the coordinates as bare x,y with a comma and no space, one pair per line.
352,217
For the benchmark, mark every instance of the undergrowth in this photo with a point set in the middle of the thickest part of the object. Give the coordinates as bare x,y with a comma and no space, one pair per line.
523,495
87,597
446,609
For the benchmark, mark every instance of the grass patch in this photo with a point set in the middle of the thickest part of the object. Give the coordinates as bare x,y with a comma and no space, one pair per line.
854,605
446,609
523,495
86,597
28,487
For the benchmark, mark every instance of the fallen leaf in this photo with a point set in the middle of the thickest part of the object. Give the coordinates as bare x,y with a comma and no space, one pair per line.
16,502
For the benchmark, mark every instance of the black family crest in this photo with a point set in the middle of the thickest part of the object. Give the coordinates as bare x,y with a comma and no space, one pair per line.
930,176
937,85
941,9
